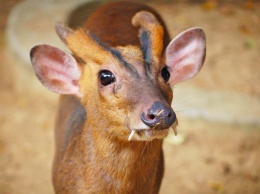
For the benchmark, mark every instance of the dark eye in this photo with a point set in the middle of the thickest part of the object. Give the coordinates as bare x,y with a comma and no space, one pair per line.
106,77
165,74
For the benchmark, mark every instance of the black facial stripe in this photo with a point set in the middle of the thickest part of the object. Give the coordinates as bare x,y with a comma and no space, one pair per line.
146,48
118,55
96,39
115,53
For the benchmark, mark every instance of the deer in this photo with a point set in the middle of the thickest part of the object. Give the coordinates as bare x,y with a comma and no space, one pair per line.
115,87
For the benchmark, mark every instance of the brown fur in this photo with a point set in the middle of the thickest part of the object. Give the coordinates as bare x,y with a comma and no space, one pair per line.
92,151
147,21
82,45
106,24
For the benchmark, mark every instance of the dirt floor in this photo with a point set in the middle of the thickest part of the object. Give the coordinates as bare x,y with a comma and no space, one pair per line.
207,157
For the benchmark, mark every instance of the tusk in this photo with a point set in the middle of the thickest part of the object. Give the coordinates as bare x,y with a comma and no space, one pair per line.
131,135
175,130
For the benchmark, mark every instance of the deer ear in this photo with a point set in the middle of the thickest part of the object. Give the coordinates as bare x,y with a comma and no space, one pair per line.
56,69
185,55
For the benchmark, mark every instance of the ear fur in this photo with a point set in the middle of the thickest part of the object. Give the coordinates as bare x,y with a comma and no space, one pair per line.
56,69
185,55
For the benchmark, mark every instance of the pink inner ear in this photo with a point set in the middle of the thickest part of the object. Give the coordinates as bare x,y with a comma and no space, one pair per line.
56,69
185,55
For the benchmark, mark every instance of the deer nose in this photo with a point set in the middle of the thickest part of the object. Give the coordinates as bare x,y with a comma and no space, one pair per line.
159,116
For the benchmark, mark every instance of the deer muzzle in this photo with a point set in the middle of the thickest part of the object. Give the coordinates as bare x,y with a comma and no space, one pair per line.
159,116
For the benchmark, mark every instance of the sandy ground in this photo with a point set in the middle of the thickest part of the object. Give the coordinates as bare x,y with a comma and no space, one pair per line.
210,157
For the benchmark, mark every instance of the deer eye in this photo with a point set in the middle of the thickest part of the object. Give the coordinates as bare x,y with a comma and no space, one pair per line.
106,77
165,74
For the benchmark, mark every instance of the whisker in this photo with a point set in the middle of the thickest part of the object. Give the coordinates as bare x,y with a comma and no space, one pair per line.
132,143
143,149
159,113
156,155
183,110
156,125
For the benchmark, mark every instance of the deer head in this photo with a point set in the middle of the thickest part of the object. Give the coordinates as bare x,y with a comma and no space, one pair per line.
125,89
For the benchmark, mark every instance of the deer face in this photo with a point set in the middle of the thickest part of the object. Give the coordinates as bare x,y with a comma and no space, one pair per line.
126,90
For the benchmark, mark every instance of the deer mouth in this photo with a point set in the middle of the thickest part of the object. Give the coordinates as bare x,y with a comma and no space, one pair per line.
151,133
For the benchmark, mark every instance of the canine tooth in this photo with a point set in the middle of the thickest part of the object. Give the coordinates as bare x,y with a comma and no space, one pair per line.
175,130
131,135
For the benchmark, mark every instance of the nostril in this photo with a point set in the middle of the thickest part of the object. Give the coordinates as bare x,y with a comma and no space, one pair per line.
150,117
159,116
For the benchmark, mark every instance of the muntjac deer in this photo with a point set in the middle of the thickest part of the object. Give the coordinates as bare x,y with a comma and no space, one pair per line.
115,107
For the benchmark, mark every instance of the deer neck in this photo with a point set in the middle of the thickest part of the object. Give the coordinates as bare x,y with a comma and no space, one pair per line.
122,165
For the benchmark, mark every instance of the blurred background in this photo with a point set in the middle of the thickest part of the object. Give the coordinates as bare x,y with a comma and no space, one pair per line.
217,149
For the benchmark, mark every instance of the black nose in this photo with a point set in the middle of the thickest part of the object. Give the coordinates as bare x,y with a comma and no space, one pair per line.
159,116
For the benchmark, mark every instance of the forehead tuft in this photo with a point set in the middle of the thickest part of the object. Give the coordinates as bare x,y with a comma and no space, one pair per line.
132,59
130,52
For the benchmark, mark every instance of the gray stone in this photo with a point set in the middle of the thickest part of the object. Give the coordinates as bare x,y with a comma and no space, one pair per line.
32,22
219,106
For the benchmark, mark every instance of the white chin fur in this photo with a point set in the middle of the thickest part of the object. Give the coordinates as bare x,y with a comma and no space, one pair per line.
147,135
